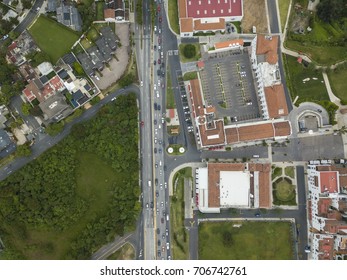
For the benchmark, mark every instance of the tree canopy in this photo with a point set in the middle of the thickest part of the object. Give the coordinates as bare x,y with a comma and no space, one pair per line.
330,10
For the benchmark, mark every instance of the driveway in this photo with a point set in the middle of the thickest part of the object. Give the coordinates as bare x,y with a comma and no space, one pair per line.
118,65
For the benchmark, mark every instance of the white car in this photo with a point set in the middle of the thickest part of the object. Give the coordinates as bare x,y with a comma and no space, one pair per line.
114,98
155,28
158,94
158,83
155,87
141,83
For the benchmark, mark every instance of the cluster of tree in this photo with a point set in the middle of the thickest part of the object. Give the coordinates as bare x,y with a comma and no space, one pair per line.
7,25
331,10
189,51
37,57
127,80
87,13
7,84
26,4
43,193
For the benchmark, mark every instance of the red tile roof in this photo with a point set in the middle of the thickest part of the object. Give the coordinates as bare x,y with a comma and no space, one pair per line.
268,45
328,181
56,83
276,101
109,13
186,25
226,44
206,26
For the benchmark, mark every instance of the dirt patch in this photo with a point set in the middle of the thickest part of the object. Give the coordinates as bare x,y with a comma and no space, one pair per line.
117,65
254,14
299,20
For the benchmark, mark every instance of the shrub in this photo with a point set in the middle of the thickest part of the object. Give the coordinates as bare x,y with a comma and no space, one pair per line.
189,51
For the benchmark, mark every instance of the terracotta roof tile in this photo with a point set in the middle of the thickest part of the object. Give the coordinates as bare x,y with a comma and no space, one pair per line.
221,45
256,132
276,101
282,128
198,25
268,46
182,8
186,25
109,13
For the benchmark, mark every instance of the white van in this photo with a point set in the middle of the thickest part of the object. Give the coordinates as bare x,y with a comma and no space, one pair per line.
167,217
255,156
159,163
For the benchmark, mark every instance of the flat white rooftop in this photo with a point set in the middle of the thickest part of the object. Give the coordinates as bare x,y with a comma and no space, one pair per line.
234,188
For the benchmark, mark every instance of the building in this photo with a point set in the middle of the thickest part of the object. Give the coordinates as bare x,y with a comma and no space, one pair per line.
327,209
7,146
207,15
55,108
233,185
211,125
20,48
116,11
69,16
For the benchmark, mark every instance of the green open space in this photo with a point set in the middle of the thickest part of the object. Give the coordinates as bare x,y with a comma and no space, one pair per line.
337,79
245,241
283,7
100,10
284,192
86,44
190,76
289,171
52,37
173,16
92,34
79,194
180,237
276,172
313,90
170,98
126,252
196,57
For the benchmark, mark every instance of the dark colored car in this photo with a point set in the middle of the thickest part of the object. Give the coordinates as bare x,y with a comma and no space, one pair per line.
155,47
159,107
154,62
159,253
159,40
162,221
155,106
155,150
158,72
158,230
157,194
160,19
152,205
156,182
155,122
159,151
159,61
159,242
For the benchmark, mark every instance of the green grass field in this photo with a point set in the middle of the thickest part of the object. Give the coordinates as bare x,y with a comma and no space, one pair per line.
276,172
190,76
170,98
284,191
185,59
94,179
173,16
52,37
283,7
100,10
337,81
180,237
289,171
251,241
313,90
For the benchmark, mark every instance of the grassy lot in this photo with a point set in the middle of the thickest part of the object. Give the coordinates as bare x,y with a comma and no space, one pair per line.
289,171
180,237
173,16
127,252
95,179
313,90
276,172
283,7
251,241
52,37
190,76
170,98
283,192
338,83
100,10
86,43
92,34
185,59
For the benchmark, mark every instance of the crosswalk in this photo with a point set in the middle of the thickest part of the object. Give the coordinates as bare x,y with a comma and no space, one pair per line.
172,52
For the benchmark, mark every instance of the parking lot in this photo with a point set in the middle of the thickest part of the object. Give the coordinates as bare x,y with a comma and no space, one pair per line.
227,84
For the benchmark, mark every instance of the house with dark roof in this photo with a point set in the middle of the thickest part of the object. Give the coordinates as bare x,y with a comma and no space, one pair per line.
55,108
69,16
86,63
104,49
96,57
111,39
51,5
7,146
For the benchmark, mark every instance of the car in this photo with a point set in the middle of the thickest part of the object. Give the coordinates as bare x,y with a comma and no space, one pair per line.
164,213
159,107
159,41
155,47
160,142
154,62
155,122
159,243
147,205
167,245
159,83
159,61
114,98
141,84
156,165
307,249
161,186
37,9
162,204
155,87
159,47
155,106
158,72
162,221
160,151
155,28
159,31
5,37
156,182
155,150
257,214
142,123
158,230
157,194
166,232
158,8
160,19
159,253
165,184
163,248
152,205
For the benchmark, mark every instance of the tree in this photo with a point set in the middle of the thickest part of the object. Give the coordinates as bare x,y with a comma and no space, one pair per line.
127,80
23,151
26,109
189,51
329,10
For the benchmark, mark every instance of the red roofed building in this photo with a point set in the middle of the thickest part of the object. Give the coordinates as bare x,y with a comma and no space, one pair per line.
207,15
328,211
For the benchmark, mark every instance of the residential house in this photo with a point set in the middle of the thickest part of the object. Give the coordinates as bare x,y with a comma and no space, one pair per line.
55,108
69,16
115,11
7,146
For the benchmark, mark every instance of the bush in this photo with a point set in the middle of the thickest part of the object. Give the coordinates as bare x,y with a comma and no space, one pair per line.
189,51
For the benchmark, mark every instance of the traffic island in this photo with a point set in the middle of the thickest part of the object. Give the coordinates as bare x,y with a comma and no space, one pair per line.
176,150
